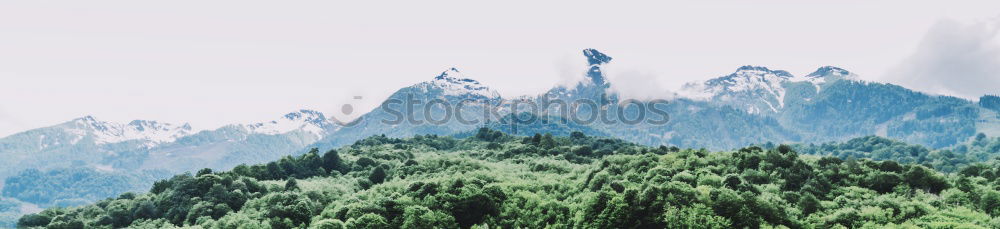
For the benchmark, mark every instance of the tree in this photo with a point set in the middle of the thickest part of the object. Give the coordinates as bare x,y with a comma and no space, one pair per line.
697,216
536,139
204,171
365,162
991,202
292,184
420,217
584,151
377,176
34,220
809,204
882,182
439,182
328,224
920,177
332,162
368,221
547,142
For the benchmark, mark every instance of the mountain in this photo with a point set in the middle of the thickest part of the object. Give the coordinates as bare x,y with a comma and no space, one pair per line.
991,102
89,130
692,122
80,144
751,105
144,144
453,84
82,141
86,159
308,121
759,90
595,84
825,73
846,109
527,123
430,107
232,145
832,104
754,89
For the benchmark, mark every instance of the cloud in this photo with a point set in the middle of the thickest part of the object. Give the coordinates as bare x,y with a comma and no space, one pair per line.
628,81
633,83
571,70
954,58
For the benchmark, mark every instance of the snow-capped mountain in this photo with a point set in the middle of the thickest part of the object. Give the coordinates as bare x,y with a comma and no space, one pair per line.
233,144
83,142
759,90
451,87
143,144
452,83
309,121
827,73
92,131
753,88
104,132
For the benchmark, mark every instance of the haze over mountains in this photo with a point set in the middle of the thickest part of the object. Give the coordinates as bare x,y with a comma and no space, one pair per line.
753,104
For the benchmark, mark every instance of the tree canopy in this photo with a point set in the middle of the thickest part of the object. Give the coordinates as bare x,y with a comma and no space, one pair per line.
493,179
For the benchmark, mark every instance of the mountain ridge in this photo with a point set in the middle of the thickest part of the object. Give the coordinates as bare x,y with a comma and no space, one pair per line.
751,105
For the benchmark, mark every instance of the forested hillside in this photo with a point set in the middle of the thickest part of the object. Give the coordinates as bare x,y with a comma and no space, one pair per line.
492,179
980,149
75,186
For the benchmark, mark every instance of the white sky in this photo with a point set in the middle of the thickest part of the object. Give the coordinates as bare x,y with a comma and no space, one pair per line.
213,63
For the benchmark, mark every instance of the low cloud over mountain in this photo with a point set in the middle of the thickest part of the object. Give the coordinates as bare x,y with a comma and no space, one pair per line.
954,58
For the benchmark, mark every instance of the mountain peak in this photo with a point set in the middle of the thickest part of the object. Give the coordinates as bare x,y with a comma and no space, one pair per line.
452,82
756,89
762,70
305,114
310,121
144,125
829,71
88,118
452,73
595,57
113,132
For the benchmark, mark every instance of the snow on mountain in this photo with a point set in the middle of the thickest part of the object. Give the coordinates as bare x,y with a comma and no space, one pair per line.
104,132
748,82
758,89
309,121
746,78
829,73
453,83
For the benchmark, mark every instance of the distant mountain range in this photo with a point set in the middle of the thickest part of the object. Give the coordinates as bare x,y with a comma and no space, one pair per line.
751,105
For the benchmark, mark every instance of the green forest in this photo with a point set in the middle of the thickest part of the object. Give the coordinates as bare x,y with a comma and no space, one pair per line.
494,180
948,160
